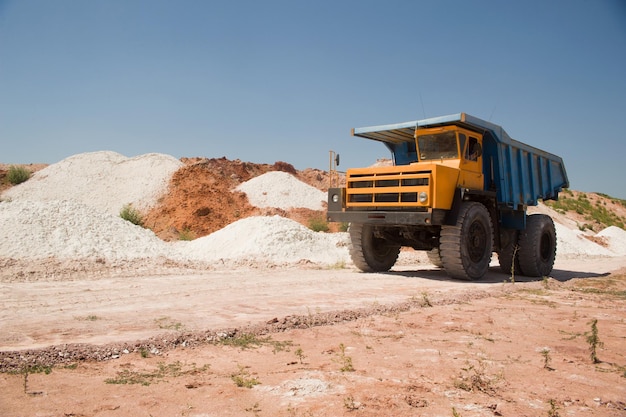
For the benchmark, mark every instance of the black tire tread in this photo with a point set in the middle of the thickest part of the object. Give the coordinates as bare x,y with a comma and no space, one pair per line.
530,260
434,256
450,244
356,247
362,253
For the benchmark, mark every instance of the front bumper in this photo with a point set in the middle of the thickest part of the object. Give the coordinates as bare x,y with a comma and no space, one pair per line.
411,216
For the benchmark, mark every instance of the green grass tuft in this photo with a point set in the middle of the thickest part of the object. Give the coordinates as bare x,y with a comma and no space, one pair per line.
132,215
17,175
318,224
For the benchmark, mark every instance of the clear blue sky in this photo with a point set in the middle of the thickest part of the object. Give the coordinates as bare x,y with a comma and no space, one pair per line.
267,81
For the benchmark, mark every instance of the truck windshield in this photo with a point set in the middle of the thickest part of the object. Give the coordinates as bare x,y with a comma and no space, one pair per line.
438,146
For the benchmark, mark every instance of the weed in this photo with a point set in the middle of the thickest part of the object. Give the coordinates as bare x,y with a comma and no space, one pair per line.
278,346
344,360
338,265
614,293
243,379
90,317
350,403
127,377
318,224
548,303
425,301
144,353
131,214
168,324
455,413
33,369
294,412
515,249
250,341
300,354
344,226
186,234
534,291
546,282
474,378
554,410
594,341
243,341
545,352
17,175
571,336
255,408
311,320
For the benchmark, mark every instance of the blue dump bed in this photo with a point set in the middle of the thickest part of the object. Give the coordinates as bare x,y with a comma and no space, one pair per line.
519,174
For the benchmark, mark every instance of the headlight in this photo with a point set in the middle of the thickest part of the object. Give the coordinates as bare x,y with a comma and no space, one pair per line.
423,197
335,198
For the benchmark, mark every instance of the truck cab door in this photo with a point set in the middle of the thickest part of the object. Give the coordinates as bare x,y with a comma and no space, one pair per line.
472,162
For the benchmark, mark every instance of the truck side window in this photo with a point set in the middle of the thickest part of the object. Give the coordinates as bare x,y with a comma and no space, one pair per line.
473,150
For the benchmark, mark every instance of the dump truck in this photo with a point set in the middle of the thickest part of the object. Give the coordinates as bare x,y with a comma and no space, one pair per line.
458,188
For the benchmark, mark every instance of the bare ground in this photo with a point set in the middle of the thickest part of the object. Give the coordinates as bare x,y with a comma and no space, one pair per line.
312,342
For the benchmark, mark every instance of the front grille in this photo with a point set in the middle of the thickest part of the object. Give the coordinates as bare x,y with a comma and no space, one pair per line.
386,189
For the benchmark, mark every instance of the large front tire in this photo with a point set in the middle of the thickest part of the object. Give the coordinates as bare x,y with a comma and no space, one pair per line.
434,256
537,246
466,248
370,253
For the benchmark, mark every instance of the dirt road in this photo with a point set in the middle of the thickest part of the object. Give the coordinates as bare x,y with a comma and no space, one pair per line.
92,310
418,344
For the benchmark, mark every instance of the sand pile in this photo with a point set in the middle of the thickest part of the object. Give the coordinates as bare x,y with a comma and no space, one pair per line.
261,240
282,190
71,230
572,243
615,238
105,181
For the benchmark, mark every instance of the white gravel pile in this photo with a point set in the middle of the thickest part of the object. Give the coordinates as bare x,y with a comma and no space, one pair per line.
263,240
574,244
616,239
282,190
104,181
71,230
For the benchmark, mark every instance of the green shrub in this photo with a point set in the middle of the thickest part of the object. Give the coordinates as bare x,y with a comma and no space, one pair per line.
17,175
318,225
131,214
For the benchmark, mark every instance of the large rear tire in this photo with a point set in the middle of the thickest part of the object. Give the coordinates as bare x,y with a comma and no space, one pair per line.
370,253
467,247
537,246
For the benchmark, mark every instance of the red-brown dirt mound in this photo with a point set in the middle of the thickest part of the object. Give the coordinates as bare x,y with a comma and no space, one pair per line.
201,200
